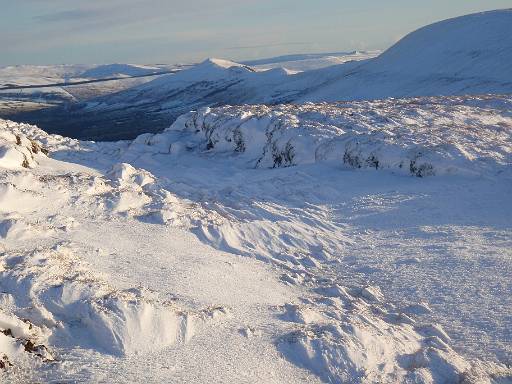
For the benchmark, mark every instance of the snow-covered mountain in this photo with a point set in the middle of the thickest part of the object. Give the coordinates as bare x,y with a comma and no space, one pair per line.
290,243
446,58
112,70
32,87
465,55
307,62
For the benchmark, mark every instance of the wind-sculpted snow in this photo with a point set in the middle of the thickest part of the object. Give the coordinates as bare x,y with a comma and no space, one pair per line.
295,220
87,253
16,150
61,295
62,301
421,137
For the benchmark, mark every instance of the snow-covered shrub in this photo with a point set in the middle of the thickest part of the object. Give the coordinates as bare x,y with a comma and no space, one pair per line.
420,137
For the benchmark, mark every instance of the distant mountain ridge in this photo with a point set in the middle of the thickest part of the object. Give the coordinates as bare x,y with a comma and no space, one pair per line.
108,70
465,55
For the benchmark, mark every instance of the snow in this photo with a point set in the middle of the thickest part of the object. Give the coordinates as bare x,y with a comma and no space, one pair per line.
335,241
60,276
441,59
13,101
465,55
422,137
307,62
200,254
17,151
113,70
445,58
40,74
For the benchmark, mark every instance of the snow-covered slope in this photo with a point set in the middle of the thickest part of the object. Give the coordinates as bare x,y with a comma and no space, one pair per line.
113,70
465,55
212,81
40,74
57,75
187,247
307,62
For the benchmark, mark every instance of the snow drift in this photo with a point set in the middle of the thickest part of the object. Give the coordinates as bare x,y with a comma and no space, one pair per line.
50,298
421,137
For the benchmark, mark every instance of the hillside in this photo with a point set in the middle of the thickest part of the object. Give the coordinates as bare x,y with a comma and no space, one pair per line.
112,70
285,244
465,55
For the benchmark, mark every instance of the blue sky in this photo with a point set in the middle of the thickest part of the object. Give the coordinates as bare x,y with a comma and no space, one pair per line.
168,31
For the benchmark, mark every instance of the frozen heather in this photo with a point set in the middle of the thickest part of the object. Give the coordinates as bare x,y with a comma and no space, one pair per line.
421,137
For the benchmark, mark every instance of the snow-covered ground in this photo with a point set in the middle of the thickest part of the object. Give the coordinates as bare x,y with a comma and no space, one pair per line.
464,138
350,242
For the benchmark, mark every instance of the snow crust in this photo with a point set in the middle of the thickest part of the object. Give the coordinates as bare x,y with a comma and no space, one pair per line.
82,224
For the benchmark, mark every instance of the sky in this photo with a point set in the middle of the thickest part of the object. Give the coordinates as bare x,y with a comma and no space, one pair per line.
185,31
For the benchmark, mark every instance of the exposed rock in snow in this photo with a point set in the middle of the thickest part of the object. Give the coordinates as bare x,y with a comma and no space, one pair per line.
16,150
421,137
